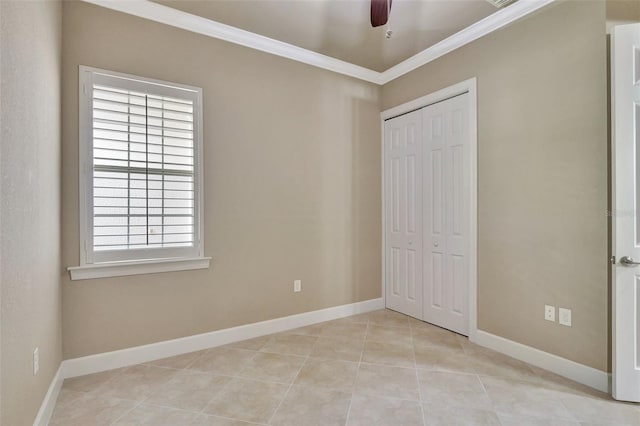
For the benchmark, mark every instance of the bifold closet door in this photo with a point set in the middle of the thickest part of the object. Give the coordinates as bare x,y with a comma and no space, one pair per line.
403,213
625,102
447,192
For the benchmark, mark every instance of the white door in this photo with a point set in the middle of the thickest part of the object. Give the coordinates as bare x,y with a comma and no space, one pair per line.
447,192
403,213
625,107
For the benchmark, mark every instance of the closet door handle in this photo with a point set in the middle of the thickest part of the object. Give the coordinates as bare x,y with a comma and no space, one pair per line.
628,261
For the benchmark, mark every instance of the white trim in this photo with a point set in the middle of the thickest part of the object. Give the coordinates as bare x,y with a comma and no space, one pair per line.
146,353
136,267
49,401
473,214
625,94
139,354
384,215
470,87
432,98
129,262
473,32
577,372
197,24
84,134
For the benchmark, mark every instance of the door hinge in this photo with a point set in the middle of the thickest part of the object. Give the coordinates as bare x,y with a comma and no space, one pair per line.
612,260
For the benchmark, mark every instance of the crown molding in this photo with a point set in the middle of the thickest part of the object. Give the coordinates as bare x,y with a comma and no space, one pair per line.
473,32
197,24
176,18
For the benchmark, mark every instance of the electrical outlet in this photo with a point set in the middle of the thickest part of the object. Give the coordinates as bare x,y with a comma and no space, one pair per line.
36,361
297,286
564,316
550,313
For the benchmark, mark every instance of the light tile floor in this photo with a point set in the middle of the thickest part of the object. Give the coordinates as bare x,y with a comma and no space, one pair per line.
380,368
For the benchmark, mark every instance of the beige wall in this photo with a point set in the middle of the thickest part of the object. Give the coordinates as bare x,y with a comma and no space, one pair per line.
292,187
620,12
30,34
542,174
292,182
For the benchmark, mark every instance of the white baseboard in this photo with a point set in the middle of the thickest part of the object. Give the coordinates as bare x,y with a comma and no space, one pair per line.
580,373
49,401
139,354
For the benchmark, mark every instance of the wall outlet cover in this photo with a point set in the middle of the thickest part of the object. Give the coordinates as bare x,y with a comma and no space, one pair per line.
297,286
550,313
564,316
36,361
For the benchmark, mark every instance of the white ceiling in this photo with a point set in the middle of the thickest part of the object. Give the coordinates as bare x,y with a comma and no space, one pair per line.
341,28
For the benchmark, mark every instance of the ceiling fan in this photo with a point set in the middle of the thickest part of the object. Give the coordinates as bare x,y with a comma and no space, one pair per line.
380,10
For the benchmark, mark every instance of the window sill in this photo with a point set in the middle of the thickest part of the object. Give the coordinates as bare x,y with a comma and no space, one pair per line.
136,267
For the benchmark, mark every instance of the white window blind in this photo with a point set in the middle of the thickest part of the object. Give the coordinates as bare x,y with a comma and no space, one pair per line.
143,195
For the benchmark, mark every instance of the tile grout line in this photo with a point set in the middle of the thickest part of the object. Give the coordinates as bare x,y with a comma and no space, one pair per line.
288,390
170,407
415,364
122,370
223,386
139,403
204,407
96,392
351,393
355,381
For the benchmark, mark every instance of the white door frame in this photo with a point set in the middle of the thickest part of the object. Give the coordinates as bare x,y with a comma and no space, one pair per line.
625,385
467,86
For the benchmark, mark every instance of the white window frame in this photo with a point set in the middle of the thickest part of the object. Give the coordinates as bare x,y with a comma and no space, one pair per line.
139,261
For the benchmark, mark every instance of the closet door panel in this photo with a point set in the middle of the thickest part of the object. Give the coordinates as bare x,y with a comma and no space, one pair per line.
447,166
403,214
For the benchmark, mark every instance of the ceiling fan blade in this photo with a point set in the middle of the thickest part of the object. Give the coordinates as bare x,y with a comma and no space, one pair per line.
380,12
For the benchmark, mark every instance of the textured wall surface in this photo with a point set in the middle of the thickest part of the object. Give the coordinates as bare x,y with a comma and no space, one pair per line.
292,187
542,174
30,41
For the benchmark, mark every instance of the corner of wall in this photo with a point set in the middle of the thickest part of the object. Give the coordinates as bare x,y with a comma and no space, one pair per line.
30,293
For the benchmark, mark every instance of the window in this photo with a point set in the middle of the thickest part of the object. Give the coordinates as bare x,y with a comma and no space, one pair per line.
140,175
